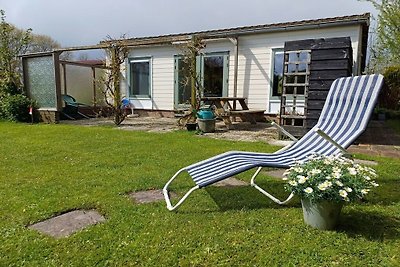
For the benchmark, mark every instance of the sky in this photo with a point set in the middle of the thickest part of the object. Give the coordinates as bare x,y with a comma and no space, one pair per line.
87,22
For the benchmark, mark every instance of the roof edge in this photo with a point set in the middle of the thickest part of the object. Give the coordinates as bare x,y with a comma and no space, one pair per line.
362,19
262,28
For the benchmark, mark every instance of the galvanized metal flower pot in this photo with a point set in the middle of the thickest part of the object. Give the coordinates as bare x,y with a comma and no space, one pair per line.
206,125
322,215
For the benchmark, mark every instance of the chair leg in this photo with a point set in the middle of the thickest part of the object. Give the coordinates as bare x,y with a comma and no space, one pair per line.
83,115
265,192
166,193
68,116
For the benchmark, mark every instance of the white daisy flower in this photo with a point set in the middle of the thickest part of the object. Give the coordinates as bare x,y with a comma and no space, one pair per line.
374,184
302,179
315,171
336,175
348,189
298,169
343,193
308,190
364,191
339,183
352,171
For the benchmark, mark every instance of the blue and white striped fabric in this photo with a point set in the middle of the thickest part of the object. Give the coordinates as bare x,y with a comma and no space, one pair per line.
344,117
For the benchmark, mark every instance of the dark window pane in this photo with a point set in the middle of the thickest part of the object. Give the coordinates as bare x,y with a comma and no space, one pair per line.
300,90
213,75
301,79
140,79
290,79
277,81
184,86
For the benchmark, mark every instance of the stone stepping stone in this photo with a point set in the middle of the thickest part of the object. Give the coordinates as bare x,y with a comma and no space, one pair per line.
366,162
230,182
68,223
149,196
278,173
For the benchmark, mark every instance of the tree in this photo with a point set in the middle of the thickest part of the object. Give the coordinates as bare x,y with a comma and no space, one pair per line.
12,43
117,52
41,43
386,49
190,52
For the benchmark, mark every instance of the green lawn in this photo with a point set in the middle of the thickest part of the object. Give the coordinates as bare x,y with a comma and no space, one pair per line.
394,124
47,170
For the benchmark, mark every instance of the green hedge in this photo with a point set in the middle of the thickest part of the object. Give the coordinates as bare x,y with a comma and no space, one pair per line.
15,108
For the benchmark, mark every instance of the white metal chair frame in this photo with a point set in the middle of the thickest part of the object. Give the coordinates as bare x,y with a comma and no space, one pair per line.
252,181
352,85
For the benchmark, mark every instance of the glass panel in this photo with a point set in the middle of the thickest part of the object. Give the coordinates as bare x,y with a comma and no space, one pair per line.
300,90
301,79
80,83
41,82
277,82
290,79
213,75
293,57
140,79
184,86
289,90
291,68
304,56
302,67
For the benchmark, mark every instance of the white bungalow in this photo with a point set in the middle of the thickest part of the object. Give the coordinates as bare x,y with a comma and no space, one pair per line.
237,62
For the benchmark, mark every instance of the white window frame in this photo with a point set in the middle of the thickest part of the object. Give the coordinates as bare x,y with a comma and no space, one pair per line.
138,60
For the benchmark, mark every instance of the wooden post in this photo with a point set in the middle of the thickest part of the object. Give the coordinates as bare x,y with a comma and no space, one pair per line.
56,62
94,86
64,70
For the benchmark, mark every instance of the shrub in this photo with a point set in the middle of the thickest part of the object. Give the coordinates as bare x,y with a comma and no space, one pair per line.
390,95
16,108
330,178
8,88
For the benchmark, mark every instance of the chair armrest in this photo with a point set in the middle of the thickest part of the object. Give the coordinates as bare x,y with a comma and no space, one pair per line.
284,131
333,142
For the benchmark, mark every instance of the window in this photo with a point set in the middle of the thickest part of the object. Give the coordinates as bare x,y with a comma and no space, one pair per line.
213,75
277,72
182,85
212,69
140,78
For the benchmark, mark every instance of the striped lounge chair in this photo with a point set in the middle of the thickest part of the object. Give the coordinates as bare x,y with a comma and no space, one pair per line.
347,110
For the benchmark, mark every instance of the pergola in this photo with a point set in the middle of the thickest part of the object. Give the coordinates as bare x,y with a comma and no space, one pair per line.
45,79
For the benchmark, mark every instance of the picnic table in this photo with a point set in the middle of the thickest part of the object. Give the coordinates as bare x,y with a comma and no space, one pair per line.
227,108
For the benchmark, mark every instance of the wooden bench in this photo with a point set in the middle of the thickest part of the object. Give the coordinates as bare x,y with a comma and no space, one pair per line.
249,115
225,108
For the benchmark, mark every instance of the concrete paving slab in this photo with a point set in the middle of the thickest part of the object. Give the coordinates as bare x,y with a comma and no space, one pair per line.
230,182
278,173
366,162
148,196
68,223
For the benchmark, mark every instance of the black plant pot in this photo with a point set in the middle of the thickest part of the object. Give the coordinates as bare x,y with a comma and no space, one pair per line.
191,126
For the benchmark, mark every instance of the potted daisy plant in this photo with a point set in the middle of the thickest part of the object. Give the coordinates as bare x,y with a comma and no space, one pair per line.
325,183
